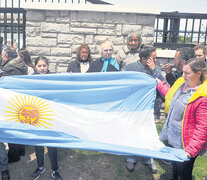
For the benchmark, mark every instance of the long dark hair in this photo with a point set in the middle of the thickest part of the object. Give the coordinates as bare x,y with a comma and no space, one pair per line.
26,57
41,58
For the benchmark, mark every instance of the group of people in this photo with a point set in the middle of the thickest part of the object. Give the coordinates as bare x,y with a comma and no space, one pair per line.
185,99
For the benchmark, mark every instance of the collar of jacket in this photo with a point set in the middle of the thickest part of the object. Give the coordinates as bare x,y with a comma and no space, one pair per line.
201,92
127,50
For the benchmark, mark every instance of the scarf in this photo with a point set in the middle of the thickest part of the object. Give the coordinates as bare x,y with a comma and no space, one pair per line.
111,61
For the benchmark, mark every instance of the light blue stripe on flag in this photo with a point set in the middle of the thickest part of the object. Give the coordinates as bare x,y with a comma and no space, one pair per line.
108,112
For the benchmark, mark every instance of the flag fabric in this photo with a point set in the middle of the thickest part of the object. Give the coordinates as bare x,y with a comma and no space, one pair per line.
109,112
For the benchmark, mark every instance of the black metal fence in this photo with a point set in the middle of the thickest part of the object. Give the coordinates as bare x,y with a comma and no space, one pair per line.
174,30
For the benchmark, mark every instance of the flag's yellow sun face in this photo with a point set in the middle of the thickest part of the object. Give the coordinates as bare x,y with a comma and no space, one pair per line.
30,110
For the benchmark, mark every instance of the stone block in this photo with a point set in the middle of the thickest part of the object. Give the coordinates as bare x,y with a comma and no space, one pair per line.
94,49
106,31
117,40
30,31
98,39
63,20
56,59
148,31
52,67
52,13
38,51
89,39
127,29
126,18
75,24
70,39
54,27
49,35
64,13
36,15
117,48
91,25
118,29
32,24
60,51
41,42
50,19
86,16
61,69
83,30
145,20
74,49
64,46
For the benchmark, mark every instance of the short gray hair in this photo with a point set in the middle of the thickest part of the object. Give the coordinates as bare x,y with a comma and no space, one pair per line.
9,51
132,34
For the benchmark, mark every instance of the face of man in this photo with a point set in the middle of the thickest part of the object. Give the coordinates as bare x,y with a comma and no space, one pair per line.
3,57
133,42
178,63
200,55
150,61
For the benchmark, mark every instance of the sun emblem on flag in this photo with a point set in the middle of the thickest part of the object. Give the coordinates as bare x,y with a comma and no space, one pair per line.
30,110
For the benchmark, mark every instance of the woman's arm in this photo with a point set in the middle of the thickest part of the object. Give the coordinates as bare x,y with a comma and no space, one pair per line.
162,87
199,138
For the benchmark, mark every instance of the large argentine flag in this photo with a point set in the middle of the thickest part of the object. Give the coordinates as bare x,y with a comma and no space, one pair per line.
108,112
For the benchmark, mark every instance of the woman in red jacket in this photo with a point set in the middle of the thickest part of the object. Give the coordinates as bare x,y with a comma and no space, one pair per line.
186,124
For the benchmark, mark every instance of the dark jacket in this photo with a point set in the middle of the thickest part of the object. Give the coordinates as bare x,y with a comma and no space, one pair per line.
97,65
74,66
15,66
48,72
172,77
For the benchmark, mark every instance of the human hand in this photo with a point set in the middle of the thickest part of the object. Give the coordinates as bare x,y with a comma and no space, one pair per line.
189,156
168,68
151,63
158,80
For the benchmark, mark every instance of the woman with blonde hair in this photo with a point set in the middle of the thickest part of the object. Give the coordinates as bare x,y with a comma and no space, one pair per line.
106,62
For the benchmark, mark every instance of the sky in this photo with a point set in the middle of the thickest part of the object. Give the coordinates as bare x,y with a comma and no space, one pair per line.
187,6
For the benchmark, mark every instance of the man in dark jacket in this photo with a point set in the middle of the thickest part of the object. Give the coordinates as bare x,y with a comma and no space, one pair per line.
181,56
13,65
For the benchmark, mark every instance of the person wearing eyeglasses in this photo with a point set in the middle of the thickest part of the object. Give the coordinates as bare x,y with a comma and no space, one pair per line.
130,52
106,62
83,60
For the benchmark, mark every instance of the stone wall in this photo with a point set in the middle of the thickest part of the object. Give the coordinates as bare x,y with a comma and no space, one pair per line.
57,33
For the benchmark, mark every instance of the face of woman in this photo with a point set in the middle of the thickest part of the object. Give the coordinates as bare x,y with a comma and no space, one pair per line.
41,67
84,54
192,79
133,42
106,51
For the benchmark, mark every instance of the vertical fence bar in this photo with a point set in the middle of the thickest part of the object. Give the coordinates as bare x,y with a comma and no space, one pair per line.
157,29
186,25
5,24
206,33
24,27
18,27
199,31
192,29
12,25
